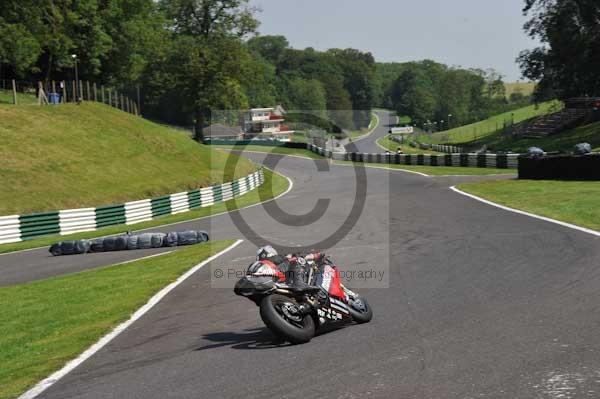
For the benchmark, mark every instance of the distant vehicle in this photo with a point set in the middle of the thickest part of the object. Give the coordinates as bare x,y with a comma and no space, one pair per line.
402,130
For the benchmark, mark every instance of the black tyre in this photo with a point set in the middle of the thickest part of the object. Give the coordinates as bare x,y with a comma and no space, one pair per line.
360,310
277,313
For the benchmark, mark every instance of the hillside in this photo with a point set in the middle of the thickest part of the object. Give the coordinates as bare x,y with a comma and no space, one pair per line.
525,88
564,141
71,156
477,131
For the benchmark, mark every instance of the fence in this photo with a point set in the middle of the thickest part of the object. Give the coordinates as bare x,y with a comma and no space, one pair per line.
40,93
500,161
25,227
449,149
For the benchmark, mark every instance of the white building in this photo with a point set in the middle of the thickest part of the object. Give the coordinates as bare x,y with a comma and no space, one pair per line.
266,123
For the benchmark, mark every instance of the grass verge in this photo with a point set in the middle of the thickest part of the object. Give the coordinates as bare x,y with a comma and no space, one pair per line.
437,170
354,134
571,202
6,97
274,185
274,150
52,321
564,141
392,146
479,130
89,155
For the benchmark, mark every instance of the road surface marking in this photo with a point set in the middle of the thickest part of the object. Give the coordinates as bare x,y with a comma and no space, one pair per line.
67,368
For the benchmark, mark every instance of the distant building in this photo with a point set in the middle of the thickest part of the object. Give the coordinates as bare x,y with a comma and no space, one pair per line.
222,132
266,123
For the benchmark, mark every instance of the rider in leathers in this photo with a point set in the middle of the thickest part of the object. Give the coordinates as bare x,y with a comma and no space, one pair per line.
291,265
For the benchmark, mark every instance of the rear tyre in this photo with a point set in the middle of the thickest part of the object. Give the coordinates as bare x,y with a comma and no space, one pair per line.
278,314
360,310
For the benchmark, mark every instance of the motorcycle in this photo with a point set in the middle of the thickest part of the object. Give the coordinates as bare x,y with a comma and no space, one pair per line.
297,315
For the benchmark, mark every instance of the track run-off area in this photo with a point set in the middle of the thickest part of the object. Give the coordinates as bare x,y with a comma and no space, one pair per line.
474,301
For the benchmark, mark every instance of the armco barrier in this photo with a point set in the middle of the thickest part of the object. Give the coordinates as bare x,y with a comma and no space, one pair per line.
500,161
16,228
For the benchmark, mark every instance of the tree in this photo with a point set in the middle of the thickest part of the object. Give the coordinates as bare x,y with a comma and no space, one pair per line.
567,63
306,95
358,69
259,82
208,34
18,48
270,48
137,36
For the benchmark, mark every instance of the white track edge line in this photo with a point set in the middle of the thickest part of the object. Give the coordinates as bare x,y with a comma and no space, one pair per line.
144,258
56,376
364,136
532,215
382,167
272,153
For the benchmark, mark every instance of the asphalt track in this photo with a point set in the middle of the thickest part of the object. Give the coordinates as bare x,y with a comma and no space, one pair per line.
475,302
367,144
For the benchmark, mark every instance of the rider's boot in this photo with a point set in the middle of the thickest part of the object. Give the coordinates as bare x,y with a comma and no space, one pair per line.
298,280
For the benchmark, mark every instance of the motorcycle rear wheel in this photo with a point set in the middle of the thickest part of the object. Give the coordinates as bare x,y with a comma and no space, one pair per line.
275,313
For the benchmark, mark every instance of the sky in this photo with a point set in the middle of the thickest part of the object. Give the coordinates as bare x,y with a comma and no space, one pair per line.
468,33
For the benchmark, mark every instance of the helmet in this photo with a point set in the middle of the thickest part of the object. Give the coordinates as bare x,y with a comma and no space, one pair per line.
265,252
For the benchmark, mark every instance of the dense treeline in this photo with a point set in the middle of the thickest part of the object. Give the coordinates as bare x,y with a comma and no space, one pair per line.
194,57
436,96
568,62
191,57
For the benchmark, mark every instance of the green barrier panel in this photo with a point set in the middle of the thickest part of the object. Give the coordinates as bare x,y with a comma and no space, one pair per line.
161,206
448,160
194,199
501,161
464,159
38,224
110,215
235,187
218,193
481,160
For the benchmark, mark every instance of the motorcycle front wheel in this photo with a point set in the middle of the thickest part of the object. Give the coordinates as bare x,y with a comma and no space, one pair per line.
280,314
360,310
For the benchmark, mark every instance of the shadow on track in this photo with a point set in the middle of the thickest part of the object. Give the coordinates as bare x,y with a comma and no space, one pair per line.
257,338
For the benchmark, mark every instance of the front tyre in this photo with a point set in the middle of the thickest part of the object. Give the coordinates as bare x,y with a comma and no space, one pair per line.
360,310
280,314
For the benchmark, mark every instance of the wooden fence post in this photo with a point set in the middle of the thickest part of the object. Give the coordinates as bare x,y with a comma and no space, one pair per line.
42,99
109,98
14,87
138,104
64,91
95,93
102,91
122,105
73,91
128,105
80,91
87,85
116,105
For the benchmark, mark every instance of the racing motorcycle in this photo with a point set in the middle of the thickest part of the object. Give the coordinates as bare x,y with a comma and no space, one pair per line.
296,315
